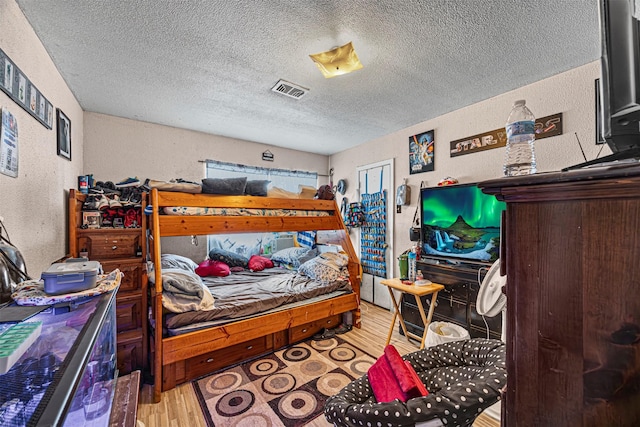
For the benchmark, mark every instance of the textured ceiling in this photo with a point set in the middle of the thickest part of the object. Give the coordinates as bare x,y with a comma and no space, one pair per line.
209,65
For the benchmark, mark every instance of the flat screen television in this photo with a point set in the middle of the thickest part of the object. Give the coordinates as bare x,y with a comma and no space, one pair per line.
619,90
460,223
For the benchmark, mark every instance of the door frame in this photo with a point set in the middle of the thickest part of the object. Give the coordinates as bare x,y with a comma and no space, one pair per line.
390,212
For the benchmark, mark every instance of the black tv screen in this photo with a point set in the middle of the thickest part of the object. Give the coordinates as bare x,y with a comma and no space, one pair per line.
619,91
460,222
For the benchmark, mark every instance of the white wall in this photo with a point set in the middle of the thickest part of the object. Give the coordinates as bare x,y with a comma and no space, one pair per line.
34,204
116,148
571,93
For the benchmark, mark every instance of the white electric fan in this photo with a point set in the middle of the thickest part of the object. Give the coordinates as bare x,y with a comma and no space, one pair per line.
490,302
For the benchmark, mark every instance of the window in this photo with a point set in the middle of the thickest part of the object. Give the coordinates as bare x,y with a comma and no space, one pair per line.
282,178
255,243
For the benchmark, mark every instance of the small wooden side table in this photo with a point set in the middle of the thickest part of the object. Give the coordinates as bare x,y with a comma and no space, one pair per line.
417,291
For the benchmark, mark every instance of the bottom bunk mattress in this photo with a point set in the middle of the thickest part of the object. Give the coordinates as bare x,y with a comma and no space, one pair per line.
247,293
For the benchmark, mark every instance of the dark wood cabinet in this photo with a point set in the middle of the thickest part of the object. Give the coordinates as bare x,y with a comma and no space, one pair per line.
121,248
455,304
571,251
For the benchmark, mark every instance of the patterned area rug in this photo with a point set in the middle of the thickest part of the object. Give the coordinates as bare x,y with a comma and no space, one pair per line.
285,388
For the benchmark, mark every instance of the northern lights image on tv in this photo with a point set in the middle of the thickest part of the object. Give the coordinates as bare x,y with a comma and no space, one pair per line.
460,221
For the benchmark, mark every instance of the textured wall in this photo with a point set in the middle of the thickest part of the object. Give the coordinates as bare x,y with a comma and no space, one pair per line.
571,93
34,204
116,148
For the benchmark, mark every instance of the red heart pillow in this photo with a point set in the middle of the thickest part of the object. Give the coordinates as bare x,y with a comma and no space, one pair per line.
259,263
212,268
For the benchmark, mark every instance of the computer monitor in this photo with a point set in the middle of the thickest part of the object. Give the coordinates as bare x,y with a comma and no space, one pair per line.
620,81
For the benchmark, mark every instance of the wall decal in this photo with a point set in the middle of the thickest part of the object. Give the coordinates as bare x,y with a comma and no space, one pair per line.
545,127
8,144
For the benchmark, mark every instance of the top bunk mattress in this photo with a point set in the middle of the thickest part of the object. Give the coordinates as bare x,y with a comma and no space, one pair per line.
246,293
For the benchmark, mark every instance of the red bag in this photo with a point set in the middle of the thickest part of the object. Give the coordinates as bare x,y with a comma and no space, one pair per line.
212,268
259,263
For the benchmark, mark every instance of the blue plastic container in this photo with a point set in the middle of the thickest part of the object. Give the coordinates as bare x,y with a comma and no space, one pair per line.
69,277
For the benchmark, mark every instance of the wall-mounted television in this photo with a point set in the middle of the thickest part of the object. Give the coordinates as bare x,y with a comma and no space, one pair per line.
460,223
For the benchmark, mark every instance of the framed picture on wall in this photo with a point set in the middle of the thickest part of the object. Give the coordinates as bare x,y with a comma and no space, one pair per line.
64,135
421,152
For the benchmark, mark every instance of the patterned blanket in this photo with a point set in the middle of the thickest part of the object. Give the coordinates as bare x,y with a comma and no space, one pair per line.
31,292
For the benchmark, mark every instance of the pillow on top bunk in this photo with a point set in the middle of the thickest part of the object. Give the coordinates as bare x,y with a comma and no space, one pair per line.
173,185
281,194
257,187
293,257
230,258
325,268
306,192
228,186
177,261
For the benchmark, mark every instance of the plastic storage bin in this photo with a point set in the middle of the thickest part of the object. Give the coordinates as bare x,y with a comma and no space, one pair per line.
442,332
67,277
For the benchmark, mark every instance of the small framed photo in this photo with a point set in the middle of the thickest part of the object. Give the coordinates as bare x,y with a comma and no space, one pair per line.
91,219
64,134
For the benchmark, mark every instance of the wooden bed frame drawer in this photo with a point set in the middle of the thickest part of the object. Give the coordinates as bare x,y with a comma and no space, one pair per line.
132,270
128,312
302,332
210,362
111,245
129,352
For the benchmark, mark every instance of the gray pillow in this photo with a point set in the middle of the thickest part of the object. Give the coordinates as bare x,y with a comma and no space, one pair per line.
232,259
228,186
257,187
177,261
293,257
310,254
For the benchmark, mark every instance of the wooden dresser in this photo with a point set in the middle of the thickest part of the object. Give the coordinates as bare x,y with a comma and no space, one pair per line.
121,248
571,250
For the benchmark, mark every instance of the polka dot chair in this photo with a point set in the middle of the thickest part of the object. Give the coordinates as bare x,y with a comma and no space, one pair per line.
463,378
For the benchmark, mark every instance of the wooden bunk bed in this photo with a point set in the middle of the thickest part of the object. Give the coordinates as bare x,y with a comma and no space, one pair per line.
181,358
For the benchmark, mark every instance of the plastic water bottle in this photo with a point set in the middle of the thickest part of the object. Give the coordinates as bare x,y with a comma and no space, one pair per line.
520,158
411,259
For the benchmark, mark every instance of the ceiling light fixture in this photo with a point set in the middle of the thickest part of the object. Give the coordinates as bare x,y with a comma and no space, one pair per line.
337,61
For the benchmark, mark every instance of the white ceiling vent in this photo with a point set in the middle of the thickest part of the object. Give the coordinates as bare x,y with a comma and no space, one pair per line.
289,89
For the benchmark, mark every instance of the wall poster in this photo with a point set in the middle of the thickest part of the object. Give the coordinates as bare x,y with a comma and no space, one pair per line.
421,152
8,144
14,83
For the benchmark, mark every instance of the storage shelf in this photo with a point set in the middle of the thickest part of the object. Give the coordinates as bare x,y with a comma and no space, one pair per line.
106,230
116,247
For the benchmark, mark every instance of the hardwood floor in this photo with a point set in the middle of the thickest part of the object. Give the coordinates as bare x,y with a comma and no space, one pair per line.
179,407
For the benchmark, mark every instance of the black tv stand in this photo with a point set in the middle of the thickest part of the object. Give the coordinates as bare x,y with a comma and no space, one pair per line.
632,153
456,303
